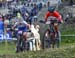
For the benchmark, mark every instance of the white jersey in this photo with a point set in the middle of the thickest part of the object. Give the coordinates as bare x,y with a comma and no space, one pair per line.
23,22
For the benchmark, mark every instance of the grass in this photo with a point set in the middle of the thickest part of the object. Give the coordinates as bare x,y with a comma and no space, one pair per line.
68,32
7,48
67,51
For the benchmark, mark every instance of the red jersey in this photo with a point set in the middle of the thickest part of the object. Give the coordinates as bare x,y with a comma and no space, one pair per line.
54,14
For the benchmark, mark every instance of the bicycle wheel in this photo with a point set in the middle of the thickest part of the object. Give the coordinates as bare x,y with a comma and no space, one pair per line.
46,39
19,42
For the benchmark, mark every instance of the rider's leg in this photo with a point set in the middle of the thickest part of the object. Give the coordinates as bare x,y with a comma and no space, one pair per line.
25,35
18,45
52,35
24,40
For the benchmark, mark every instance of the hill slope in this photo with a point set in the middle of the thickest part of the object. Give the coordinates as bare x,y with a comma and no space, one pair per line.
63,52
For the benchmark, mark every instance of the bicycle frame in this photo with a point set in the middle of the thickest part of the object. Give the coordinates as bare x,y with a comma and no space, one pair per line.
52,32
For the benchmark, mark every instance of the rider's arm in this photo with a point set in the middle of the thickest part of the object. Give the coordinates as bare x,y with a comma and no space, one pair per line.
58,16
15,25
26,23
60,19
46,16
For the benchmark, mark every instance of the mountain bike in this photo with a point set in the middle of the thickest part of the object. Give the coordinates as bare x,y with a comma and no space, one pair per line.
50,34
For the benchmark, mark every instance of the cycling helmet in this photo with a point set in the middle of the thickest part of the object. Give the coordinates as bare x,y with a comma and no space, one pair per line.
51,9
18,15
26,14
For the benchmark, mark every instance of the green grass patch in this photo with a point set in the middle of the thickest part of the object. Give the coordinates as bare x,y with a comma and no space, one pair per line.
63,52
68,39
66,50
7,48
10,47
68,32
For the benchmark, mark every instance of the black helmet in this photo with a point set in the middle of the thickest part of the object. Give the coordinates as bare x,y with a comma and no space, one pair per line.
51,9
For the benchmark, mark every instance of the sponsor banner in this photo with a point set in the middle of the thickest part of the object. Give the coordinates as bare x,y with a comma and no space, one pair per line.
7,36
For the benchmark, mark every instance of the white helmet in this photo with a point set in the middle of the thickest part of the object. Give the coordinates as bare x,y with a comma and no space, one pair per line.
18,15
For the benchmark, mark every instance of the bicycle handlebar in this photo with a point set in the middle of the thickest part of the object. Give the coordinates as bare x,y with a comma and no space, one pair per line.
16,29
49,21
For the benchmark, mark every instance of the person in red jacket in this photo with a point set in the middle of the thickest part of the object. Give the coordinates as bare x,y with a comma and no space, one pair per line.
53,13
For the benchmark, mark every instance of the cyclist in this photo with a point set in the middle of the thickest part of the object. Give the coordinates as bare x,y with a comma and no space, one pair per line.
22,30
52,12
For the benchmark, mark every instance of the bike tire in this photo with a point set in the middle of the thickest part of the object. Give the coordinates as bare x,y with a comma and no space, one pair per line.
45,39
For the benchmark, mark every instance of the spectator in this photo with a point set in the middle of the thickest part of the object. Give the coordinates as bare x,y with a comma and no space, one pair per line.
1,17
0,4
34,11
1,24
39,6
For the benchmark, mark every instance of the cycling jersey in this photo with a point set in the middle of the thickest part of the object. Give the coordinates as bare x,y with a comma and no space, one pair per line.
21,26
54,14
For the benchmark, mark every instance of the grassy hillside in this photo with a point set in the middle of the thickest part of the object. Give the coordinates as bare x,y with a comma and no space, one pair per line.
67,51
10,47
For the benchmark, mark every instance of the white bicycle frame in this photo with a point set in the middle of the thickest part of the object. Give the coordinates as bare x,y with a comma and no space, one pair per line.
31,42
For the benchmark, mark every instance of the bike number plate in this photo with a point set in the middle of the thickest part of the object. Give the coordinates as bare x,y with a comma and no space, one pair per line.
48,22
19,32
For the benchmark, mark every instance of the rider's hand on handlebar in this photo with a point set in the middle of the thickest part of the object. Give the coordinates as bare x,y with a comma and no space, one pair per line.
28,25
61,21
45,20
